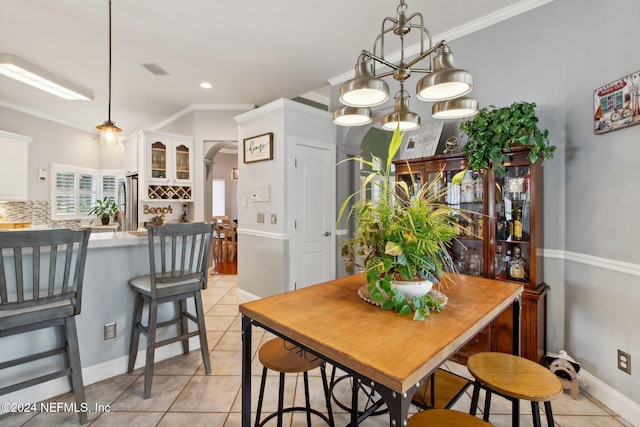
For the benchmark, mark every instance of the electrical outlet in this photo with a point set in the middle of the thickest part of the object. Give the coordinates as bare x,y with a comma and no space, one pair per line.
624,362
109,330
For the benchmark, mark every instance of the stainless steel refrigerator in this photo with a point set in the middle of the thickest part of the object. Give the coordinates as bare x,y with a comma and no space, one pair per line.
128,203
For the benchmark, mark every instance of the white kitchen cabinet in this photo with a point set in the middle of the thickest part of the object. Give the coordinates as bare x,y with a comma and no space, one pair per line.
164,163
169,159
14,170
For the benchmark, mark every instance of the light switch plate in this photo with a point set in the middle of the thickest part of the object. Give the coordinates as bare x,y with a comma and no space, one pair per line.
274,219
260,217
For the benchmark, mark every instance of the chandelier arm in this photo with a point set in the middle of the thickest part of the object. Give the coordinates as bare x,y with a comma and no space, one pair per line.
382,33
421,27
382,61
427,53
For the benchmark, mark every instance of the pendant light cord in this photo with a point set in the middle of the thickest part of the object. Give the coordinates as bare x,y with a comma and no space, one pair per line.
109,113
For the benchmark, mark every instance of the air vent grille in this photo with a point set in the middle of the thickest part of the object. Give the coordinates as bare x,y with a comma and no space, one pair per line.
155,69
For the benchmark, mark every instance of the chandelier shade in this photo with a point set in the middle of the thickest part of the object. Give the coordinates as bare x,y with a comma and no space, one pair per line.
455,108
365,90
352,116
441,83
108,130
401,117
446,82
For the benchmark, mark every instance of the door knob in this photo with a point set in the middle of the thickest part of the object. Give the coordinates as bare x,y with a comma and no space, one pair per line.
327,233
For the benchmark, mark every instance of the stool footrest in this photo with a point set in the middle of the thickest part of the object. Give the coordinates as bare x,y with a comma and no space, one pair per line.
296,409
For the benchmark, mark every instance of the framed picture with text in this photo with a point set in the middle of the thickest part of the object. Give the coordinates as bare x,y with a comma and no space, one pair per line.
258,148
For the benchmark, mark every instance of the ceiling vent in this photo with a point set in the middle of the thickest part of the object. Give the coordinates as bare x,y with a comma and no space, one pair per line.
155,69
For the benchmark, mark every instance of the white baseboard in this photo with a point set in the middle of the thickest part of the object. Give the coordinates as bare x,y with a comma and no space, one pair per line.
93,374
613,399
244,296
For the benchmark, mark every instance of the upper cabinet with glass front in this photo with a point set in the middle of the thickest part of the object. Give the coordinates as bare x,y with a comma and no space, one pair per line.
170,160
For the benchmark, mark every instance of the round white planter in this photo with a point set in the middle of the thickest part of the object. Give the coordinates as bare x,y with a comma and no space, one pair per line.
412,289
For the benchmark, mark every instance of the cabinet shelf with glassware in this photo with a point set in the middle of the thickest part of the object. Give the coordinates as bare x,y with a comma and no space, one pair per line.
501,238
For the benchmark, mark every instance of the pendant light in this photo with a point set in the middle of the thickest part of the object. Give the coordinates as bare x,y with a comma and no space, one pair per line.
108,130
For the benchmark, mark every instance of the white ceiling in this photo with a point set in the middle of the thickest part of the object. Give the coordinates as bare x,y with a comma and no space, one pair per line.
252,51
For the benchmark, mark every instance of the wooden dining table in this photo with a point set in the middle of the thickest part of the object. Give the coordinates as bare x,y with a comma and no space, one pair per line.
390,353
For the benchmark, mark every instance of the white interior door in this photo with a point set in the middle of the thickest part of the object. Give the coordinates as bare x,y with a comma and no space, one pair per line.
314,252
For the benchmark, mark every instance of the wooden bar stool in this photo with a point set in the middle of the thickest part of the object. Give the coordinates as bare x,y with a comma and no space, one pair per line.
284,357
445,418
514,378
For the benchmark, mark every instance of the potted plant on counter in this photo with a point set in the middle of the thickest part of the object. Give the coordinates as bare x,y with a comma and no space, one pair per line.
493,131
104,209
400,240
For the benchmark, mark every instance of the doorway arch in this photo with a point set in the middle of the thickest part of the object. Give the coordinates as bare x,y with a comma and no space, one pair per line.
212,148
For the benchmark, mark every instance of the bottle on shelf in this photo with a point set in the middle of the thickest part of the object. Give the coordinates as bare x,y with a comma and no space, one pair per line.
467,188
453,191
517,223
479,186
475,265
516,266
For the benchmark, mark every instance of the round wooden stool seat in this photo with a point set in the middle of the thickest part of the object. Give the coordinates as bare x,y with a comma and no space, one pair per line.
445,418
284,357
281,356
514,376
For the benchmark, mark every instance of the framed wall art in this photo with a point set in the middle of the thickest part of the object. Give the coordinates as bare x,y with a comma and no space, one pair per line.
617,104
258,148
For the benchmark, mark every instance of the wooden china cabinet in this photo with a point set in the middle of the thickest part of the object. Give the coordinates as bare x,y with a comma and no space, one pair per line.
502,241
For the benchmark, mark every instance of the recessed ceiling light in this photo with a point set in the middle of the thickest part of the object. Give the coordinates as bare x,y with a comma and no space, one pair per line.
205,85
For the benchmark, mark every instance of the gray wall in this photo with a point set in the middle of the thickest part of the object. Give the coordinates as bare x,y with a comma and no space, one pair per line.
57,143
556,55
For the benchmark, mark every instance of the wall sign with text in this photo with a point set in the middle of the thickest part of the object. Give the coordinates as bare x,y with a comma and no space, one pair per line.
258,148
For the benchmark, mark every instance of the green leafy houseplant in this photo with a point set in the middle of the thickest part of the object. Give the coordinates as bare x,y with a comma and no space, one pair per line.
104,209
399,236
493,131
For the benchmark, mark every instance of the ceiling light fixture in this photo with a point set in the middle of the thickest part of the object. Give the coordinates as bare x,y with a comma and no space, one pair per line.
18,69
443,82
206,85
108,129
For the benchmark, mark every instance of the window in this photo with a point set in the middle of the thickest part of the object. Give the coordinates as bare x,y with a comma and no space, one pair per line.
74,190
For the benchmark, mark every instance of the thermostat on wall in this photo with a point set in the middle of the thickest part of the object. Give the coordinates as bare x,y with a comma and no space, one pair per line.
261,193
42,175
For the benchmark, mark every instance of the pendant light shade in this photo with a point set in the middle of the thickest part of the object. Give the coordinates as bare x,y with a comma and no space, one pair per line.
108,130
401,117
455,108
109,133
446,82
352,116
364,90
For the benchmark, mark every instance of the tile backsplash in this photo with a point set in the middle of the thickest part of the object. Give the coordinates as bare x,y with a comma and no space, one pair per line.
37,213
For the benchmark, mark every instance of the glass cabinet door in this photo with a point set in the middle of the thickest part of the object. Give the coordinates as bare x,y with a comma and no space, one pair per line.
412,180
513,223
467,249
182,162
158,160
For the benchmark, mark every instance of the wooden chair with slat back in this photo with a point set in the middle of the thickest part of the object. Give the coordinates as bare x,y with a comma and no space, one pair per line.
41,276
179,256
229,240
219,237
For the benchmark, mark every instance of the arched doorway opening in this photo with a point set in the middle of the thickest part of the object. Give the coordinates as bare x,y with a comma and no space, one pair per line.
220,161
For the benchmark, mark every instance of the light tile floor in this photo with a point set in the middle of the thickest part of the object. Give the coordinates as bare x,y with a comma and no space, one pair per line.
183,395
